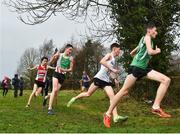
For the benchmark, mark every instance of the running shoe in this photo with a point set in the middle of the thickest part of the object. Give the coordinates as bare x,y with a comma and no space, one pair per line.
27,105
50,112
106,120
119,118
71,102
160,113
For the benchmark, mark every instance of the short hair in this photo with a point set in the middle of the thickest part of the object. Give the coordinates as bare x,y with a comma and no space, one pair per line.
68,45
44,58
115,45
150,25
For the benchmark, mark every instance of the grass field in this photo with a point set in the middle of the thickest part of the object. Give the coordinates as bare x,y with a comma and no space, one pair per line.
85,115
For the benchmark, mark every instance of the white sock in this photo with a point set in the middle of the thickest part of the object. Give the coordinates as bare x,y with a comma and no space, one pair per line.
108,114
155,107
115,116
45,97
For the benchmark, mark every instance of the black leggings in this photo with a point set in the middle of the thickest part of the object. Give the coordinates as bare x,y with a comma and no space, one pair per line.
5,91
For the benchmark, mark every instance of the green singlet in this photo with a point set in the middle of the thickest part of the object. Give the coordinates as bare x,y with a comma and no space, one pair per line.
141,59
64,62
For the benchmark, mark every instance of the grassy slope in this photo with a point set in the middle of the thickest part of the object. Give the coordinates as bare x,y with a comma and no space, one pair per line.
85,115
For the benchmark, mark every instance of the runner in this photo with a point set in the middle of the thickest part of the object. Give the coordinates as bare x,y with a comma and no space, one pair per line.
102,80
84,81
40,78
64,65
138,69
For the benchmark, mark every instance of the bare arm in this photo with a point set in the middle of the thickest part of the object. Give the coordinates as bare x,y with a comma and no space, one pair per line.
33,68
150,51
50,67
105,63
133,52
54,58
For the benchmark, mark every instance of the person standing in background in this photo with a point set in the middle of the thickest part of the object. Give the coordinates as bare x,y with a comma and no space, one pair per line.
5,85
21,86
15,83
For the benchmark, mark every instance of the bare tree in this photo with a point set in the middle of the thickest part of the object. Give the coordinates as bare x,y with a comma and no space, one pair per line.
28,59
46,49
95,13
38,11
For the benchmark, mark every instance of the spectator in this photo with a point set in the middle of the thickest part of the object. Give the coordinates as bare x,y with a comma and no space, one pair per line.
15,83
21,86
4,85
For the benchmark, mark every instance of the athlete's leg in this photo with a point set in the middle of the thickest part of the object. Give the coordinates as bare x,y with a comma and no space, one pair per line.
110,93
38,91
129,82
46,98
164,84
88,93
46,91
91,90
32,94
56,87
116,85
82,88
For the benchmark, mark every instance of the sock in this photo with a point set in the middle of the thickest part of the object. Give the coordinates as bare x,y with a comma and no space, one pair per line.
108,114
155,107
46,97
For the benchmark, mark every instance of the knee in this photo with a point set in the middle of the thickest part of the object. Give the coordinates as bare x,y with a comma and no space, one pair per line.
35,94
55,93
88,94
167,80
111,96
55,90
126,92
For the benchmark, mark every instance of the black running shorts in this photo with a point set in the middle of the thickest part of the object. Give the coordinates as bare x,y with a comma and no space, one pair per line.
101,83
138,72
39,84
59,76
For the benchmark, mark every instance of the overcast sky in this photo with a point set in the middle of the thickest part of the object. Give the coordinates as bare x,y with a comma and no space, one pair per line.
15,37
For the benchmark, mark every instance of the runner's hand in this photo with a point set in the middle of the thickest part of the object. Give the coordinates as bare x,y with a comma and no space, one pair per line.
115,70
158,50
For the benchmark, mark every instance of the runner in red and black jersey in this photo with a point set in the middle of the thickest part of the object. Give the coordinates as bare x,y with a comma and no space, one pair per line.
40,78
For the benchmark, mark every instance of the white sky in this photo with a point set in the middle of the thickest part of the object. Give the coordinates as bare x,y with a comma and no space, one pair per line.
15,37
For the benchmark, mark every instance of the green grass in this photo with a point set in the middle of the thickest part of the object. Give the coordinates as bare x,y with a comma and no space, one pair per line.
85,115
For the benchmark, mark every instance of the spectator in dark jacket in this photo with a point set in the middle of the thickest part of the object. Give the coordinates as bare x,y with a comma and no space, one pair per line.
21,86
15,83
